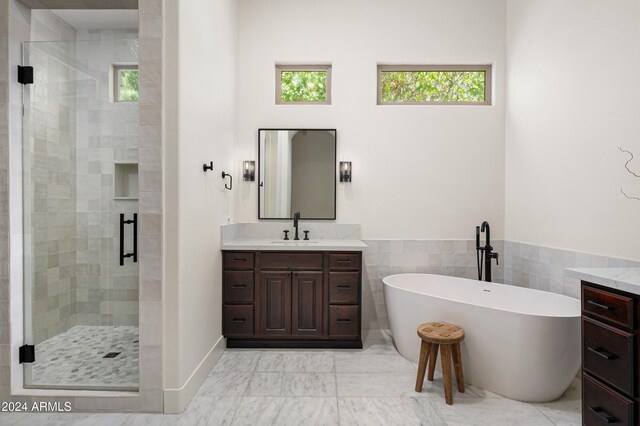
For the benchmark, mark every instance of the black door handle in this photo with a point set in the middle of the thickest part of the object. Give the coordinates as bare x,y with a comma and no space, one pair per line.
134,253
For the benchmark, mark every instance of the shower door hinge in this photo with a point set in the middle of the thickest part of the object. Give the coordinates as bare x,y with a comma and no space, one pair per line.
25,74
27,354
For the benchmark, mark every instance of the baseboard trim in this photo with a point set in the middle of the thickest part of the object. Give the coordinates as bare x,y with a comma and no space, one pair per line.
176,400
294,343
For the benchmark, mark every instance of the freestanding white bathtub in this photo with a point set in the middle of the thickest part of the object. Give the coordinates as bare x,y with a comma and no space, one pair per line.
521,343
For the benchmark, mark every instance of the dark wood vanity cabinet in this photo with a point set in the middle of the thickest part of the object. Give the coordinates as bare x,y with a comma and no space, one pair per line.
610,356
292,299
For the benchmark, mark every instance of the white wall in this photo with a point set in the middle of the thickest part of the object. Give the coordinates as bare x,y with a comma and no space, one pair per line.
440,168
571,101
200,129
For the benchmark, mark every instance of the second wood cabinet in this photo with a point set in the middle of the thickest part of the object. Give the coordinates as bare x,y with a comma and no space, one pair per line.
610,354
292,299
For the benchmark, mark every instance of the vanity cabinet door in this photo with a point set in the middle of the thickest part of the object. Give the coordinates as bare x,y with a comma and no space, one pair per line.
275,303
306,303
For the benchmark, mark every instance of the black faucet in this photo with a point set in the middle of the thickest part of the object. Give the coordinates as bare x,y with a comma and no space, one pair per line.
485,252
296,218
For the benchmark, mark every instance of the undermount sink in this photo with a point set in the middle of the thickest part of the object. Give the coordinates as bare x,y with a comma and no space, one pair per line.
294,243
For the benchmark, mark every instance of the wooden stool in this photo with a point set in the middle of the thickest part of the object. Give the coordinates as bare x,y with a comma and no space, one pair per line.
447,337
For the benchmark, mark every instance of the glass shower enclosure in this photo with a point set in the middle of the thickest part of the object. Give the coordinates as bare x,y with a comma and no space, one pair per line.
80,204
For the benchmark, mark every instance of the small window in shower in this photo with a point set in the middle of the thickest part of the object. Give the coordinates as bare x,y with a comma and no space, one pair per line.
125,83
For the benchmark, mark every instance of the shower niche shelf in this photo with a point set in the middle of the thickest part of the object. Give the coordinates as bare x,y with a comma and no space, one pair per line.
126,181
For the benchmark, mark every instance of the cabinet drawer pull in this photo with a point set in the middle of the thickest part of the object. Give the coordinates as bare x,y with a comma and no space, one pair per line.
599,305
238,320
344,287
344,260
239,259
238,286
603,415
343,320
604,354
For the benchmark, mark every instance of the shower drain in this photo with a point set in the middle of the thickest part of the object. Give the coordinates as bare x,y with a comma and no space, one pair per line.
112,355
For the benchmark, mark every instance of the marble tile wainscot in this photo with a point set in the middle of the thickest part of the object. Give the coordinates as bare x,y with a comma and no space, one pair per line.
543,268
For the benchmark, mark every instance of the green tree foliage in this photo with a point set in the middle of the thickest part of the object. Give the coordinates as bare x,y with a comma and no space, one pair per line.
432,86
128,85
303,86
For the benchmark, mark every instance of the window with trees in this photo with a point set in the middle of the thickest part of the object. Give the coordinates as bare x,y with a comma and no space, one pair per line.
126,82
434,84
303,84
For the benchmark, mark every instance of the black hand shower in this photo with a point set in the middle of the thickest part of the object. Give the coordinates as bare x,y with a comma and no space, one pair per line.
479,253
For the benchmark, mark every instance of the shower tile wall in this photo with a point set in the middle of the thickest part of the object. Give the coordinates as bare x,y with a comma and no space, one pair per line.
107,133
386,257
77,278
53,173
542,268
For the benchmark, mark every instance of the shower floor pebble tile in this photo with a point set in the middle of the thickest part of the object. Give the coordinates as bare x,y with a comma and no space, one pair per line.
306,387
75,358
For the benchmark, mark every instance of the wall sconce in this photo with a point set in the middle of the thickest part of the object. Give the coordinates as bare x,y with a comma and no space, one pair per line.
249,171
345,171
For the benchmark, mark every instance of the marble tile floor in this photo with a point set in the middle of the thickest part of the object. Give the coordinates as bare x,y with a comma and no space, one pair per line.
373,386
75,358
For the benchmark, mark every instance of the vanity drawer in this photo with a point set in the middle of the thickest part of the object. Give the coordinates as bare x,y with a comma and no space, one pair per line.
344,261
601,405
607,354
237,321
607,305
343,287
238,260
238,286
343,321
291,260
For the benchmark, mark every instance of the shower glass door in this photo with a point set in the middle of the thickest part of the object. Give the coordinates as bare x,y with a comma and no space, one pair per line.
80,202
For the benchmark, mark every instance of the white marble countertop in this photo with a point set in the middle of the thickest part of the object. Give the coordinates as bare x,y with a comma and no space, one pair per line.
281,245
624,279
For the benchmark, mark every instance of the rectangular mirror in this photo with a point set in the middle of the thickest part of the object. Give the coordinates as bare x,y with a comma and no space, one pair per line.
297,169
